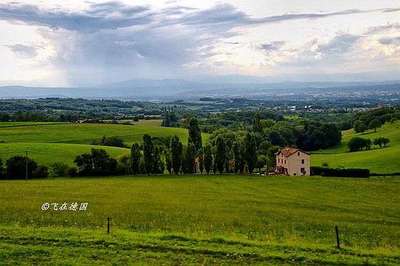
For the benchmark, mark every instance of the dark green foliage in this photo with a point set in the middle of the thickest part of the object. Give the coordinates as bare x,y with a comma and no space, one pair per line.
357,144
110,141
16,167
190,159
381,142
1,169
200,159
59,170
96,163
208,159
176,149
261,162
257,127
250,152
220,155
169,118
319,136
72,171
340,172
374,124
195,134
158,166
40,172
238,152
136,154
360,126
148,153
276,138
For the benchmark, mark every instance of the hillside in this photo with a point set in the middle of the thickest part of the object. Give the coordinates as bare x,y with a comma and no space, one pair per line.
209,220
384,160
61,142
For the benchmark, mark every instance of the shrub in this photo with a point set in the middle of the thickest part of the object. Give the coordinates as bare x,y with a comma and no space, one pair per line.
97,162
40,172
16,167
72,171
110,141
357,144
339,172
59,169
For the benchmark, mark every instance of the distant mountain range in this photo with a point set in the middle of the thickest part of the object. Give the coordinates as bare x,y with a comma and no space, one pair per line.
172,89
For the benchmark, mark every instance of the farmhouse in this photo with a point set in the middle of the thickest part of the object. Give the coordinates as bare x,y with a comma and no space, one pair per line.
292,161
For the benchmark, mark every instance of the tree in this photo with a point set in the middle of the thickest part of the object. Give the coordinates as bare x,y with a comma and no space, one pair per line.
97,162
381,142
195,134
148,154
1,169
250,154
16,167
261,162
374,124
208,159
136,154
238,151
357,144
176,148
220,155
190,159
200,159
158,164
359,126
40,172
257,126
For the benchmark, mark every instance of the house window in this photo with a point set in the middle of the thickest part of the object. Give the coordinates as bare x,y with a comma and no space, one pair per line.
302,161
298,153
303,170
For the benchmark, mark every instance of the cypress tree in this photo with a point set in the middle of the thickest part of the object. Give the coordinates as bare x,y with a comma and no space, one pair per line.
176,148
208,159
135,158
195,134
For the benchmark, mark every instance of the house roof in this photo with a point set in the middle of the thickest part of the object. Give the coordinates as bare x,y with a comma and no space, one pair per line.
288,151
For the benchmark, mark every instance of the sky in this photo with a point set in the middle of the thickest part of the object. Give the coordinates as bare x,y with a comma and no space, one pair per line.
85,43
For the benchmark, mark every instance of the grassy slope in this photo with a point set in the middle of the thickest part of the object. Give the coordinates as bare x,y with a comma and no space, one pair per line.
61,142
47,153
194,219
377,160
84,133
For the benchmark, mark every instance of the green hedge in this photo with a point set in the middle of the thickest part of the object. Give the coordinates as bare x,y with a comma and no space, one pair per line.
340,172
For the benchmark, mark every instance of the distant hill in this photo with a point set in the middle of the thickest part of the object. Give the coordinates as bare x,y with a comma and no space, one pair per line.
385,160
172,89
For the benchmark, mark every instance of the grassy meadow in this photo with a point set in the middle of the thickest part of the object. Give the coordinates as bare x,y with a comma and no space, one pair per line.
49,142
385,160
204,219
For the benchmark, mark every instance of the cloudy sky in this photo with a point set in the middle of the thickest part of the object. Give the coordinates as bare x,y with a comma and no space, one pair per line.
71,43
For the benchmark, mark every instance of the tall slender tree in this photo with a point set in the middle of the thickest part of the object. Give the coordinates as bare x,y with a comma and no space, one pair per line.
250,154
148,153
195,134
190,159
136,154
208,159
220,155
176,148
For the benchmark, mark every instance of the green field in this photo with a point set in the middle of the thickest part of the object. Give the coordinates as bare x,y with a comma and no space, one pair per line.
386,160
62,142
202,220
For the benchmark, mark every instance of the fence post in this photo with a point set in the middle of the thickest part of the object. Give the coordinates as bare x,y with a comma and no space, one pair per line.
337,237
108,225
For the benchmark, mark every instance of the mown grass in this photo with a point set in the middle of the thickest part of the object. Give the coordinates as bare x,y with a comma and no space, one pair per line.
385,160
48,153
84,133
202,219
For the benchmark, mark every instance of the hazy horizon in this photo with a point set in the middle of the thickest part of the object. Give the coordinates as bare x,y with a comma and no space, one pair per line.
82,43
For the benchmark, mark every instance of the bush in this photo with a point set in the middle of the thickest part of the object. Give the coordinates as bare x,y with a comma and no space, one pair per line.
357,144
110,141
16,167
41,172
1,169
59,169
97,162
345,172
72,171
